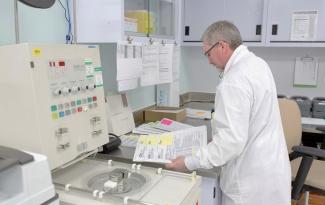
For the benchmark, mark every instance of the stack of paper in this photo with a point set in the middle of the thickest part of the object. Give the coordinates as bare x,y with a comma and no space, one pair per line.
165,147
159,127
147,129
170,125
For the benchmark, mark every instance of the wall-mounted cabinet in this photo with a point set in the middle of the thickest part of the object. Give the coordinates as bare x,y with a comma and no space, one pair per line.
296,23
102,21
247,15
261,22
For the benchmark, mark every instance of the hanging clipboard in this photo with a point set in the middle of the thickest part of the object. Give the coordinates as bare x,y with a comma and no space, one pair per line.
306,71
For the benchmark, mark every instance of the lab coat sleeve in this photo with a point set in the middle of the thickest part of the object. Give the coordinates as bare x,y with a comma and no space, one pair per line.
229,127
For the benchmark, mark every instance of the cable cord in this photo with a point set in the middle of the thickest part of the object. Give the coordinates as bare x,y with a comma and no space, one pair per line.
114,135
68,37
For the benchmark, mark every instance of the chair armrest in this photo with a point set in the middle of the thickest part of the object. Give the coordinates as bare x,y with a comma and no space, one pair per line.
309,151
294,155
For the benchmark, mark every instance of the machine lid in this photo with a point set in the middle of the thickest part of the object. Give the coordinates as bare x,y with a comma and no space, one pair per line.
10,157
41,4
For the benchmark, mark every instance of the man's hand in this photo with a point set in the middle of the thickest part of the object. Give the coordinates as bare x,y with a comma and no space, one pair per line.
177,164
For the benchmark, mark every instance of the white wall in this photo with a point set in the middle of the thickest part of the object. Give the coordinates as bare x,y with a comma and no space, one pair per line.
202,77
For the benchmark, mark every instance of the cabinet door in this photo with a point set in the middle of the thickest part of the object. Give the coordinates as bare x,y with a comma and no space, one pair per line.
289,18
163,13
247,16
137,19
198,15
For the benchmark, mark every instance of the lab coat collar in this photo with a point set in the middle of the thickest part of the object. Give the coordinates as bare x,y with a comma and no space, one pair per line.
238,53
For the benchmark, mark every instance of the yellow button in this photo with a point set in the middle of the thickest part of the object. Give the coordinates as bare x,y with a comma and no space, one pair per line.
55,116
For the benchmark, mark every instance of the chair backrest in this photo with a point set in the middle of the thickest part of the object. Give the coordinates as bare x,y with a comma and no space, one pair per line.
291,122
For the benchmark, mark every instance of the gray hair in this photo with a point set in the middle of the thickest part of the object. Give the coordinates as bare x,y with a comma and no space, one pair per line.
223,31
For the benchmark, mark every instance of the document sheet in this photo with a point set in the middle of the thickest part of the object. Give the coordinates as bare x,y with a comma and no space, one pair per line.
306,71
150,63
165,147
129,65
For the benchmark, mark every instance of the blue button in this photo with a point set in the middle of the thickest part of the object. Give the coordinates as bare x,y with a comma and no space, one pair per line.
61,114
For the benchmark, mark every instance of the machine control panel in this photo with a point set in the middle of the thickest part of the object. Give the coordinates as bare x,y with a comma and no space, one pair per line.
64,117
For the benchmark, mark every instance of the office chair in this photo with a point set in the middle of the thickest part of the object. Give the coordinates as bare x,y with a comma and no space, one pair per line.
305,170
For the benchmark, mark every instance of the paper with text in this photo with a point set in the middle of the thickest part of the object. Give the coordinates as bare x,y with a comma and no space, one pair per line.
304,25
150,64
165,147
306,71
128,65
166,63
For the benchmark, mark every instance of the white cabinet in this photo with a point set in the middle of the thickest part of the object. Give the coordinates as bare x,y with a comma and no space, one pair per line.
106,21
296,23
246,15
260,22
198,15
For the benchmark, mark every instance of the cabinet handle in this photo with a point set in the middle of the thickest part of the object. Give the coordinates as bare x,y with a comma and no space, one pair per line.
187,30
258,29
275,29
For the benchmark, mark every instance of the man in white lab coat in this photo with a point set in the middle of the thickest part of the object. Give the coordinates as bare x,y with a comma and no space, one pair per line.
248,140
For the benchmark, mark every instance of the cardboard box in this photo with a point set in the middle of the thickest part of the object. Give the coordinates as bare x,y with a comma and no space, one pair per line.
157,113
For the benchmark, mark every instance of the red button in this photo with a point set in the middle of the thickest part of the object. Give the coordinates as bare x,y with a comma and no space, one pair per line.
94,98
61,63
79,109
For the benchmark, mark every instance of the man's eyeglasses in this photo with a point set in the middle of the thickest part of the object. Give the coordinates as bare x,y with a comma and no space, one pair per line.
207,53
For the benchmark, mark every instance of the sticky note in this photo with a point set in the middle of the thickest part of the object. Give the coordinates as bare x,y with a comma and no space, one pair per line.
166,121
200,113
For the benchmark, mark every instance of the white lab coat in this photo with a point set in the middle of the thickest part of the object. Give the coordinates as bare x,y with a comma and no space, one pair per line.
248,140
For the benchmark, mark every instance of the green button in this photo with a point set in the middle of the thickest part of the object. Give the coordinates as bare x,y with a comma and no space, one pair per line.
90,99
78,102
53,108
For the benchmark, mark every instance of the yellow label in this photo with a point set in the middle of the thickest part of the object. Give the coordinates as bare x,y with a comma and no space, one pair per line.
143,139
55,116
152,140
166,139
37,52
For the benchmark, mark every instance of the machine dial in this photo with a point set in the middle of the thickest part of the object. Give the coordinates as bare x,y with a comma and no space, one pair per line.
66,91
57,92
